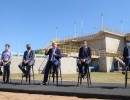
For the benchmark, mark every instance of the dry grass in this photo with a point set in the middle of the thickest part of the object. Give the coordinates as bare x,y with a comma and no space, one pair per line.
96,77
100,77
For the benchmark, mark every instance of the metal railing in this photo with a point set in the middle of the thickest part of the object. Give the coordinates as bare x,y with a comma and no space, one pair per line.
95,52
114,31
107,53
86,36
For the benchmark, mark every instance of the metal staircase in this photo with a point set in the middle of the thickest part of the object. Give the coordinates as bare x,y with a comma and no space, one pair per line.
120,61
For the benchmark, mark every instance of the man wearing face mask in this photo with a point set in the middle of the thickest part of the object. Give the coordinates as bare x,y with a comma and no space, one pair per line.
28,60
126,55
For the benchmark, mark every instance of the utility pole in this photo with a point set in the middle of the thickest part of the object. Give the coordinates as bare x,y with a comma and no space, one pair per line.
56,32
121,27
16,48
82,24
102,21
75,30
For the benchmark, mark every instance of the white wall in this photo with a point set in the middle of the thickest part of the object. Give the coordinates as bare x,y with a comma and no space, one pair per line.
109,63
17,60
109,44
68,65
98,44
114,43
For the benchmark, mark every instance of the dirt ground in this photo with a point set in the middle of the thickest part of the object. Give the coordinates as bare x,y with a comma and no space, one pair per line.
23,96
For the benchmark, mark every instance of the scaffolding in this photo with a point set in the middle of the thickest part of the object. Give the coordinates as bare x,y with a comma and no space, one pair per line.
72,45
69,49
92,35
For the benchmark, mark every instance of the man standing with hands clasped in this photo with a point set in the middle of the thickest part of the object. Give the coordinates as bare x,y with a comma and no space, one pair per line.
6,58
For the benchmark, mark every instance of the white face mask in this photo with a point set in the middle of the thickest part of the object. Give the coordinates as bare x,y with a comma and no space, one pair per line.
127,44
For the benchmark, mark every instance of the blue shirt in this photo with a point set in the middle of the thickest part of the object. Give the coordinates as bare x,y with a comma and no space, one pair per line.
6,56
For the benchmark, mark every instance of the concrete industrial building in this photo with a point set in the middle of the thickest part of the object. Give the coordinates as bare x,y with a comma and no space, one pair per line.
107,48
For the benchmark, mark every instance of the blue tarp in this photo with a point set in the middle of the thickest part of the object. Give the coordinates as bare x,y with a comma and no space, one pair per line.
93,68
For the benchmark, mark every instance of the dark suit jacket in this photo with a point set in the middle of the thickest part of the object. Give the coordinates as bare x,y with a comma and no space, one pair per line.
125,54
30,57
57,56
88,53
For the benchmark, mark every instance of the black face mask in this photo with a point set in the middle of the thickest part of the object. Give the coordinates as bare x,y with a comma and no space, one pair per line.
28,48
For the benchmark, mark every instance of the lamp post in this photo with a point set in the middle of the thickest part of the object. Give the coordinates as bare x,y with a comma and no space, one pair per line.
16,48
121,26
56,32
102,22
75,30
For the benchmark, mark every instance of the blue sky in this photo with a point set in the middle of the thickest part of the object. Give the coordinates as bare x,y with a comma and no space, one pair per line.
35,21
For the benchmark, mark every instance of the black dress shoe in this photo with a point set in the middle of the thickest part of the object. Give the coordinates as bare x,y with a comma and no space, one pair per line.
44,83
7,81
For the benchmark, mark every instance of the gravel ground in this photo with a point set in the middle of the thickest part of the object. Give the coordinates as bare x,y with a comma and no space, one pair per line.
23,96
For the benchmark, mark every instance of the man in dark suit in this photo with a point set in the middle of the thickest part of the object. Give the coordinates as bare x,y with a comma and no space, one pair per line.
54,60
28,60
126,54
84,58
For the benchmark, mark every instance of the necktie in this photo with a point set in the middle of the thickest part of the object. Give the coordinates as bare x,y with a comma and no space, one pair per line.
84,52
52,57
